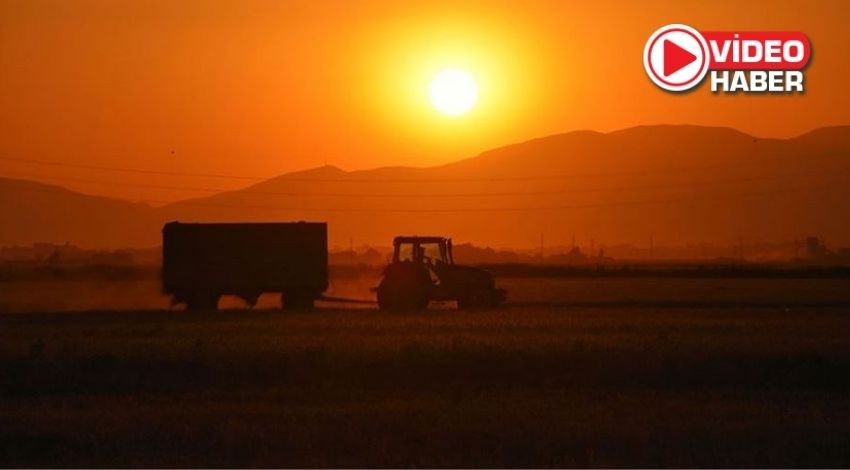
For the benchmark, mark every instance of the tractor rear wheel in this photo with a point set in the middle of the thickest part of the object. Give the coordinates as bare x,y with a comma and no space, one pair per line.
405,287
395,298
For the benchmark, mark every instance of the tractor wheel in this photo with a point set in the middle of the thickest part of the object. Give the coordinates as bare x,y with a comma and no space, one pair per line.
399,293
395,299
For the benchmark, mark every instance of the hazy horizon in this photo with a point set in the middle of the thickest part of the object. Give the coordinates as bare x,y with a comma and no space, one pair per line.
677,184
74,183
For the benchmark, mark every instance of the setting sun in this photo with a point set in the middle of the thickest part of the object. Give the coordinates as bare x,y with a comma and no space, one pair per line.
453,92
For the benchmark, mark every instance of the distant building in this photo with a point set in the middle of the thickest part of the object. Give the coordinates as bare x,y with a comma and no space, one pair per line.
572,257
815,248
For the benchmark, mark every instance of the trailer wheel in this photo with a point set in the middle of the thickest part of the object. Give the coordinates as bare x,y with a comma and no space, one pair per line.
202,301
250,298
298,300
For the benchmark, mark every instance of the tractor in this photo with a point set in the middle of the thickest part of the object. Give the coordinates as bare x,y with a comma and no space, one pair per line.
423,269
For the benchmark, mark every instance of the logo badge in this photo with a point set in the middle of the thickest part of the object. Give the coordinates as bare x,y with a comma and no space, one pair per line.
676,57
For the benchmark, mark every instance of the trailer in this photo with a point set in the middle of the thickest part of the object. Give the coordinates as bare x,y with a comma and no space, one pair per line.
203,261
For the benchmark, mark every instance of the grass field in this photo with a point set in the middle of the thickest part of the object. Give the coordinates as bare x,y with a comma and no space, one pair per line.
56,295
613,381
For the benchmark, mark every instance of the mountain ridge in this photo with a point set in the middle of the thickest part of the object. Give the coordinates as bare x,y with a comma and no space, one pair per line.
679,183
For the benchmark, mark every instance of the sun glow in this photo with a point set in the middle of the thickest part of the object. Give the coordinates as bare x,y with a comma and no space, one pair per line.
445,88
453,92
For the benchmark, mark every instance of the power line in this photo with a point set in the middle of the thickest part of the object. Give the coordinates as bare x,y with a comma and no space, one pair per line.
321,180
129,170
467,210
512,209
374,180
686,184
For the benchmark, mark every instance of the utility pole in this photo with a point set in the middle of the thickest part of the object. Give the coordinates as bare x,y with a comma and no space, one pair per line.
542,253
741,248
651,247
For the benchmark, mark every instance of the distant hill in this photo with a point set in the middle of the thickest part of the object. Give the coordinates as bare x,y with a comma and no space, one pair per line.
675,184
33,212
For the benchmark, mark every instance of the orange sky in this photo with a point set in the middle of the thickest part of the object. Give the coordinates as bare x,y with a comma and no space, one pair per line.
255,87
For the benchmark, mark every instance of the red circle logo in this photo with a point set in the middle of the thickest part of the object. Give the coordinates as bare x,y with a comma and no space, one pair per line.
676,57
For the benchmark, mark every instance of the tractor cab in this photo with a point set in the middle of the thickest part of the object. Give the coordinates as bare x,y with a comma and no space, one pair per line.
423,269
427,250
